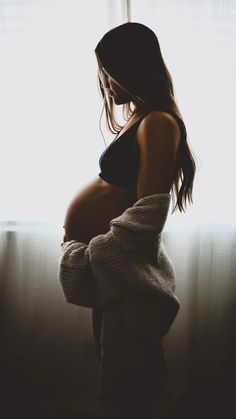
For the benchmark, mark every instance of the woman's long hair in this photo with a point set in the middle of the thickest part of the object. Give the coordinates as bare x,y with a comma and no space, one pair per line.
131,54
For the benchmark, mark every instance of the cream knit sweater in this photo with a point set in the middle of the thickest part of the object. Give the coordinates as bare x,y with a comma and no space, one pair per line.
130,258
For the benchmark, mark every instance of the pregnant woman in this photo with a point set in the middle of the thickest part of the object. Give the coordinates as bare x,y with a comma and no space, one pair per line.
148,159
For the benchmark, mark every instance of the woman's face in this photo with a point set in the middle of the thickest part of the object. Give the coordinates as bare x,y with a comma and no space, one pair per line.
119,95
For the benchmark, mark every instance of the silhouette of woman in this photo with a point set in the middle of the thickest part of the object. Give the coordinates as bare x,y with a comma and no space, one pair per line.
149,155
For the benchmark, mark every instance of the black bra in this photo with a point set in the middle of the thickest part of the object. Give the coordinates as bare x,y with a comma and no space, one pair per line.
119,163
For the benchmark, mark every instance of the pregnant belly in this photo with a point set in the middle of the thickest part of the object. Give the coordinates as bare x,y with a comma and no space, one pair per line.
91,210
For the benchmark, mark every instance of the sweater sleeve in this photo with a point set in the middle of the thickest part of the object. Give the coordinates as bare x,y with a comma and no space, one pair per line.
95,273
75,274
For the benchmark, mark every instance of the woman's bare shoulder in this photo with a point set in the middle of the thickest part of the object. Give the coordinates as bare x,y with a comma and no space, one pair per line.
160,116
159,120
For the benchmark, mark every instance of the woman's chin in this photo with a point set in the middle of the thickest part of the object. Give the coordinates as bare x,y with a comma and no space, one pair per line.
117,100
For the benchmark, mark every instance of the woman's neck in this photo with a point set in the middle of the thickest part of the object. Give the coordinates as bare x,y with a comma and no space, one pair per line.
139,110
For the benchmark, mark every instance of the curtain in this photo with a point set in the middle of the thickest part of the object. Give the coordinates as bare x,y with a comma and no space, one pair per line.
50,148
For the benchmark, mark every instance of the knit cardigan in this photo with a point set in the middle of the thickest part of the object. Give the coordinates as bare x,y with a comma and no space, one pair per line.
129,259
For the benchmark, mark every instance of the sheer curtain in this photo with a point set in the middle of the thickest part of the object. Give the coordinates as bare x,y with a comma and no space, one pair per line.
50,149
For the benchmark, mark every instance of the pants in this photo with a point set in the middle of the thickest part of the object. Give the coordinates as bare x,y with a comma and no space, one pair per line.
130,351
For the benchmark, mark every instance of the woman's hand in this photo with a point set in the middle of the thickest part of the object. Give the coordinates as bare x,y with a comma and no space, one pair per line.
65,239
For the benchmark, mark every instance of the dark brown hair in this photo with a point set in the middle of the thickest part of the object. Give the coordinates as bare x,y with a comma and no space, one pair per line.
131,54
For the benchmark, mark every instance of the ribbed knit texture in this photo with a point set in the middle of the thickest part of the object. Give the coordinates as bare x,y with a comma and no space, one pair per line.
129,258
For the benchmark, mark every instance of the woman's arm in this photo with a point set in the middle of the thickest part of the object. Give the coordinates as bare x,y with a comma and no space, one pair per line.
158,137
